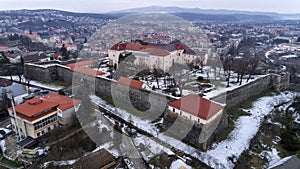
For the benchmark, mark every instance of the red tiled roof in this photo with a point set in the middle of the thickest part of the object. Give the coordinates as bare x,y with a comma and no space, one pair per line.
119,46
34,106
35,117
197,106
80,67
155,49
63,101
80,64
180,46
4,47
156,52
89,71
130,82
30,109
34,35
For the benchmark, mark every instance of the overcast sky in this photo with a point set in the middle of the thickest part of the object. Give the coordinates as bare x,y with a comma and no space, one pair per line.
98,6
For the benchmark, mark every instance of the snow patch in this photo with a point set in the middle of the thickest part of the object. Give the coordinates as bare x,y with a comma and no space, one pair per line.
246,128
179,164
2,145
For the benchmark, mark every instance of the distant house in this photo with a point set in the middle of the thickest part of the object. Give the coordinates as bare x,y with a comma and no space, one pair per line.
45,39
32,36
38,116
18,92
69,47
101,159
291,162
196,108
133,83
4,48
36,58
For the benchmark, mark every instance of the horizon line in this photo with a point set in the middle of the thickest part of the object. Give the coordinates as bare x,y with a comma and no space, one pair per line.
123,10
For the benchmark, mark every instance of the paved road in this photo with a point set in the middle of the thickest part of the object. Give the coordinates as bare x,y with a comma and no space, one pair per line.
133,153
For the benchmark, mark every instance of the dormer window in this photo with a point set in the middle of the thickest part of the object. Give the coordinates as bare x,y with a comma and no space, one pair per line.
35,101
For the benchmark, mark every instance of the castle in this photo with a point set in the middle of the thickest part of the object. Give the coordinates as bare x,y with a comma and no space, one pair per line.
154,55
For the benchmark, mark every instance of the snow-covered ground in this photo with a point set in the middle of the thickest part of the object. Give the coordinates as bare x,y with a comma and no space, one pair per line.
192,87
59,163
271,155
239,139
179,164
35,83
222,89
7,131
152,146
109,146
246,128
145,125
280,162
2,145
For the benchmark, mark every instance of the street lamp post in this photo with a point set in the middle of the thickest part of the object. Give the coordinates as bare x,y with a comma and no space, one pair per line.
10,97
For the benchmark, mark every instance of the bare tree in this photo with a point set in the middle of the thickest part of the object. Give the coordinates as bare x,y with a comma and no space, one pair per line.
126,67
241,68
227,64
156,75
181,74
252,65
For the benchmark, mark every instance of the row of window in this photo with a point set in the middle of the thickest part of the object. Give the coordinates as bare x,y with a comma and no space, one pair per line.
185,116
45,111
45,122
45,131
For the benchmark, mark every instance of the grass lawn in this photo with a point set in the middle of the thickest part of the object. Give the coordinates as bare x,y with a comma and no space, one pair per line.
8,162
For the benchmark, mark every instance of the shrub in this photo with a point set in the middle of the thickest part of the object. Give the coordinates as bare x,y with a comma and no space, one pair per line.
289,141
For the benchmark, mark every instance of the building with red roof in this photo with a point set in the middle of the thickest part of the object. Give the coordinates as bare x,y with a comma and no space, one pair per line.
68,46
152,55
196,108
38,116
4,48
133,83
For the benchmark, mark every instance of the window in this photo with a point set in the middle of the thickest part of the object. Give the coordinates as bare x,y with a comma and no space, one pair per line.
38,134
180,113
173,109
45,122
198,120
